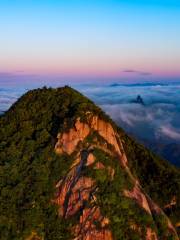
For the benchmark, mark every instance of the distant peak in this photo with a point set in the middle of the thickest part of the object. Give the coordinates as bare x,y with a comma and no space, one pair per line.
138,100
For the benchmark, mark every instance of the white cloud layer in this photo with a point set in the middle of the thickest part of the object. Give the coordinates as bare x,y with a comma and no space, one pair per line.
158,119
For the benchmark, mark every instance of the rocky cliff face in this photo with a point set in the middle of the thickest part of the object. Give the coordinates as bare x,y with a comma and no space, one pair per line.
76,193
68,141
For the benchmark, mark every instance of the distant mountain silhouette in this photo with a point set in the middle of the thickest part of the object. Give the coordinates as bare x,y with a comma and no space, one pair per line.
138,100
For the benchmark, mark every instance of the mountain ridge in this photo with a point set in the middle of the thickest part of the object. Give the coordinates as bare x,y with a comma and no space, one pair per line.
88,155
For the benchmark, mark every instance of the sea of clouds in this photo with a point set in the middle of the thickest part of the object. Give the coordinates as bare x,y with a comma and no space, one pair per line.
158,119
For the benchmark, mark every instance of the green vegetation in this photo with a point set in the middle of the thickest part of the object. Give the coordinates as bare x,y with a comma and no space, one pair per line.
122,211
159,178
26,191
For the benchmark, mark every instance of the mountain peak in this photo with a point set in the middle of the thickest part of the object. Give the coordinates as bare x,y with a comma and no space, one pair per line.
76,175
139,100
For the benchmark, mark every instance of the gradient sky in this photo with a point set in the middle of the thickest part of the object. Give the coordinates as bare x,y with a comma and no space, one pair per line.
86,39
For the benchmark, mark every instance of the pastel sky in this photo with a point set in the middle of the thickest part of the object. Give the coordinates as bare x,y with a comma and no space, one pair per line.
86,39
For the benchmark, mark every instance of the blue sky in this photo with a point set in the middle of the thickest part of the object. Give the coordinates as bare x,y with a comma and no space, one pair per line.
75,39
